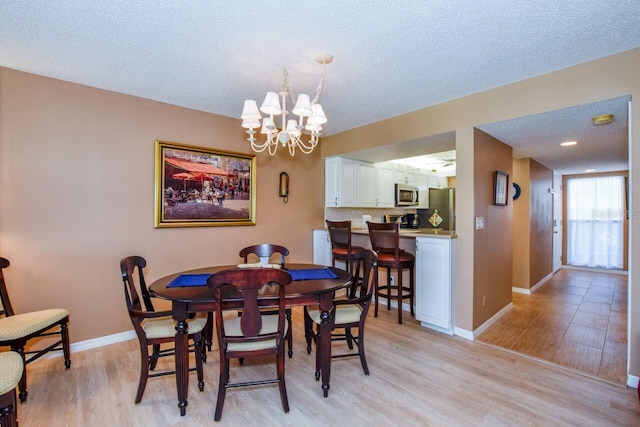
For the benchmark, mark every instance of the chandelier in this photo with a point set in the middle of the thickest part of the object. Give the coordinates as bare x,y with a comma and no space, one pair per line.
290,132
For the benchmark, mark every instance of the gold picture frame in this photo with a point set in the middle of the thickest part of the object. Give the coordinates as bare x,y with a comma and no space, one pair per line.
203,187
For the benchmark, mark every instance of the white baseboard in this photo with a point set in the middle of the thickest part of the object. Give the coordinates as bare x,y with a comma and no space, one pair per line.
102,341
534,287
463,333
492,320
632,381
94,343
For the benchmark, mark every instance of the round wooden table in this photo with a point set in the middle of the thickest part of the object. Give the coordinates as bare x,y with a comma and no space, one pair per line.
194,299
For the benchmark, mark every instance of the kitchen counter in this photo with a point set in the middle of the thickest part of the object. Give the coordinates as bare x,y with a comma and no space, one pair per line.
414,232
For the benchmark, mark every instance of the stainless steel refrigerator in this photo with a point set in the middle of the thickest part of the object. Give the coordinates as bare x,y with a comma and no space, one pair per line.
444,200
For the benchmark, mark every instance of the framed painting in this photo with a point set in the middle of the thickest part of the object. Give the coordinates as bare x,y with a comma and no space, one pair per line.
203,187
500,184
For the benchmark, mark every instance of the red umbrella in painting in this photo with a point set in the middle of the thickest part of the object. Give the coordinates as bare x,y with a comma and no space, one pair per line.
185,176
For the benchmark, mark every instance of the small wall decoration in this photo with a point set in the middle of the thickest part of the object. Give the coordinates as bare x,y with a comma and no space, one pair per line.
501,183
203,187
516,191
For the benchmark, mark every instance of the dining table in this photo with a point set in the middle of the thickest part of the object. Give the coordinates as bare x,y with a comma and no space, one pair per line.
198,298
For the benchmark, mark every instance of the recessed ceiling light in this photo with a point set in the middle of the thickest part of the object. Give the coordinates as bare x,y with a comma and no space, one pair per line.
604,119
589,170
564,144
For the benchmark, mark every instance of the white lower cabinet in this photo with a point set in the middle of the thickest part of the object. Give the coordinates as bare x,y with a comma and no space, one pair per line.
434,278
321,247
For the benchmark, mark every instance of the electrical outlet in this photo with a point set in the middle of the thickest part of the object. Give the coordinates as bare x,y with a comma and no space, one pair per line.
392,280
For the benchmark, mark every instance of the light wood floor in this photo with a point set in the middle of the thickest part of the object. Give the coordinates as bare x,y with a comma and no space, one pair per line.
577,319
418,377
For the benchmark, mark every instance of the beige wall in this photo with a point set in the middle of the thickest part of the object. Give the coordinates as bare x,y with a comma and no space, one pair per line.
598,80
521,225
77,180
493,257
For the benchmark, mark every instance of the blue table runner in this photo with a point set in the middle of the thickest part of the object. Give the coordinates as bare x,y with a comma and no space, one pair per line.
312,274
185,280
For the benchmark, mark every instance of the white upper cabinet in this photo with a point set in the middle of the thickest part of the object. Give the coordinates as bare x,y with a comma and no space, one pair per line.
353,183
422,182
436,181
366,190
340,182
405,175
385,184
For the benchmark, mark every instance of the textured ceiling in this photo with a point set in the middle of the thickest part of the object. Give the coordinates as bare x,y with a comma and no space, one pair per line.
390,57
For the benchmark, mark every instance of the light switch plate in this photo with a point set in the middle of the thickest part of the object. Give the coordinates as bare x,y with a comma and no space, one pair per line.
479,223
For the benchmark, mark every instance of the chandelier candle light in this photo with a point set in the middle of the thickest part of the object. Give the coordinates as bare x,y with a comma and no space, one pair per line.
290,132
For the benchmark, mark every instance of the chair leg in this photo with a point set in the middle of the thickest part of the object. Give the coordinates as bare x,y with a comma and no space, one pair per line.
144,371
399,296
389,298
198,350
9,409
281,381
155,354
222,387
318,353
308,330
289,336
66,350
375,291
363,359
349,338
209,331
22,385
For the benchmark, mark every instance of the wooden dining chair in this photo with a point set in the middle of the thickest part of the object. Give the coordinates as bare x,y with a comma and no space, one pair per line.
155,328
264,252
11,370
17,329
347,313
385,241
253,333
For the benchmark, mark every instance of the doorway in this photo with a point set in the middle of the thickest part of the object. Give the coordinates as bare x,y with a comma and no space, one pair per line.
577,318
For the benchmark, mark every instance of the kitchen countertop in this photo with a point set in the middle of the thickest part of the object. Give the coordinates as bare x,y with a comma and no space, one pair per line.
412,232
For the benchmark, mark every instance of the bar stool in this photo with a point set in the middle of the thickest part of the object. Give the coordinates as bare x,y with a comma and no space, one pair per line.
11,369
385,241
341,249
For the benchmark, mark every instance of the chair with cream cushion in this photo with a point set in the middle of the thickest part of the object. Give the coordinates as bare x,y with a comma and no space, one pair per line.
11,369
253,333
155,328
347,314
265,252
17,329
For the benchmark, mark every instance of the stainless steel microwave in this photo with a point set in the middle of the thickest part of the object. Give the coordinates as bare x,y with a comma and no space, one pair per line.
406,195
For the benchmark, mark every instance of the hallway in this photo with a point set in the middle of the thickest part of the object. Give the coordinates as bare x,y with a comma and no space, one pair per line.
577,319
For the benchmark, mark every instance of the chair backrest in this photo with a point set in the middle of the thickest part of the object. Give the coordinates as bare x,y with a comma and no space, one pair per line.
340,234
385,238
264,252
7,309
363,288
133,292
254,284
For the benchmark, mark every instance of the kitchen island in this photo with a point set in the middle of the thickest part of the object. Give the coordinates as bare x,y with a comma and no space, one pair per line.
434,251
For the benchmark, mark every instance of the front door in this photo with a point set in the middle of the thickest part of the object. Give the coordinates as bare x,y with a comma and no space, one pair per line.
557,223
